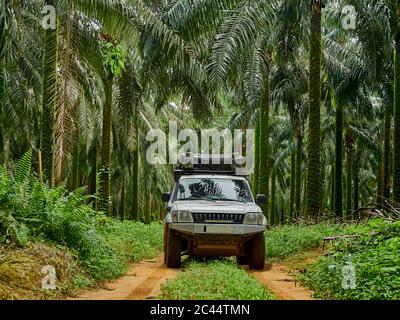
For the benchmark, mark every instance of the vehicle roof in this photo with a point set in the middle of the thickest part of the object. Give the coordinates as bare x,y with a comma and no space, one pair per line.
215,176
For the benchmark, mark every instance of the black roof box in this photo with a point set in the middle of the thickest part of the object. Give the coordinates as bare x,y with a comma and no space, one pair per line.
190,163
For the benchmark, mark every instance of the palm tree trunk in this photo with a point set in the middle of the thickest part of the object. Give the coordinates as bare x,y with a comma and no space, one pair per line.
263,182
356,181
93,173
62,112
274,219
122,200
349,183
313,191
135,186
386,154
299,151
396,135
50,91
322,178
333,181
256,158
147,217
75,168
135,171
339,161
5,58
104,201
292,182
379,193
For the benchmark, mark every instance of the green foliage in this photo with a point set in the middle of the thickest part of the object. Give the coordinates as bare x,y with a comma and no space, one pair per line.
114,58
13,230
81,281
30,211
24,168
129,241
10,228
283,241
375,257
214,280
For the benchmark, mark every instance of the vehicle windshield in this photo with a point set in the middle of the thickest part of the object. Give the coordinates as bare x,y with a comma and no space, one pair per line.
213,189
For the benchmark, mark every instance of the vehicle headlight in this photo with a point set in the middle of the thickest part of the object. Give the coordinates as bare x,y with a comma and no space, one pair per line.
174,216
255,218
251,218
182,216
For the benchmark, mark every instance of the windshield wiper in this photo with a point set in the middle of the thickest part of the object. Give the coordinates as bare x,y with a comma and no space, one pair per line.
192,198
212,198
234,200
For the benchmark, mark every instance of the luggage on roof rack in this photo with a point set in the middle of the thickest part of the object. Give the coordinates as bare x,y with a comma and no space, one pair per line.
190,163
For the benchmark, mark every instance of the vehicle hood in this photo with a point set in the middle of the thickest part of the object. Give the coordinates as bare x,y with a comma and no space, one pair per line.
218,206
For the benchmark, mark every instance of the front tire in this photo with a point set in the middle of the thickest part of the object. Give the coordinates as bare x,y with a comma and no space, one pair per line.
173,249
241,260
257,252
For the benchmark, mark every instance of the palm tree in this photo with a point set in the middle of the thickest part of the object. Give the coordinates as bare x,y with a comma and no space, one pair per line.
396,90
313,183
115,61
211,58
338,157
256,173
50,92
349,170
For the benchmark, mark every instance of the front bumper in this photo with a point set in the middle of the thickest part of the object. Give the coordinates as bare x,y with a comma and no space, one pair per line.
202,228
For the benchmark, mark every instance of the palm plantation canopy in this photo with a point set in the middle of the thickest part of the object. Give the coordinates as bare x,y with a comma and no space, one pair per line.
321,93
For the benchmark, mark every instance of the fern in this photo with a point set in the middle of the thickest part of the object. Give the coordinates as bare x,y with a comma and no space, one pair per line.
23,170
12,230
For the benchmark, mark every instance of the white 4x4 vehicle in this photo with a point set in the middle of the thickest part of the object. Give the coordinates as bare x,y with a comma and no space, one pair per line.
211,212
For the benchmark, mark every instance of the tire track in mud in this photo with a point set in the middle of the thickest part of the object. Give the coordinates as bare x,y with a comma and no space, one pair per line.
142,281
277,280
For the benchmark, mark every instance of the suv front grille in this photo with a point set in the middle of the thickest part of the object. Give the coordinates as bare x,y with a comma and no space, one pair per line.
218,217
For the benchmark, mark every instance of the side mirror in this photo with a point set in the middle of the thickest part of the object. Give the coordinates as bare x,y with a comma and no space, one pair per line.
166,196
261,199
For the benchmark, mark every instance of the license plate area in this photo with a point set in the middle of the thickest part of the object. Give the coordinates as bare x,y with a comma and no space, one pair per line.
218,229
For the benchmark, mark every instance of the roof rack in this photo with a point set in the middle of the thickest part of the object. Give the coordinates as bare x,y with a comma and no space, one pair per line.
190,164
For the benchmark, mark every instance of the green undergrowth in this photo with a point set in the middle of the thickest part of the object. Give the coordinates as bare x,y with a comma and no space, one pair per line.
363,268
283,241
116,244
104,253
32,215
364,264
214,280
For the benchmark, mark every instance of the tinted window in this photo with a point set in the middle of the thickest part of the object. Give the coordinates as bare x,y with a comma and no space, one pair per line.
213,189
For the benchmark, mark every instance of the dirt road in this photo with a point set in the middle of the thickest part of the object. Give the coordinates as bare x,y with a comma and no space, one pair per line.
281,284
142,281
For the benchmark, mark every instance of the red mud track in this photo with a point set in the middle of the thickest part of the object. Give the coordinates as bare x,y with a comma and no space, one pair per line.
281,284
143,281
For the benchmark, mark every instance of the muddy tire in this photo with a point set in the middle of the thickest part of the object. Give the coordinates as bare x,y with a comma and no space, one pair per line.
173,249
242,260
257,252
